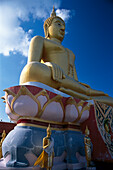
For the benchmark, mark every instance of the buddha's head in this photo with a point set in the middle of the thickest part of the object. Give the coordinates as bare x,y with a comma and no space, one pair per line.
54,27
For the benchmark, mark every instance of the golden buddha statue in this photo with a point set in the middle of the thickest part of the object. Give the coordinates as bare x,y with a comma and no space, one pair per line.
45,160
87,142
48,147
52,64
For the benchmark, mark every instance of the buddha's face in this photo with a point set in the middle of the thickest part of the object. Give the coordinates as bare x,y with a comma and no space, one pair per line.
57,29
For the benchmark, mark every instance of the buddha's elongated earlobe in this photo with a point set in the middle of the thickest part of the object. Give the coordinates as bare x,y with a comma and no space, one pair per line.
47,34
46,31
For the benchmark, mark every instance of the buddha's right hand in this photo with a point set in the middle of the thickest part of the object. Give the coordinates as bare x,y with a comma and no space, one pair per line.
57,72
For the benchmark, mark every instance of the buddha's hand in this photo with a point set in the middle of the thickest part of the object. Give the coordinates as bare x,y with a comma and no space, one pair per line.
86,85
57,72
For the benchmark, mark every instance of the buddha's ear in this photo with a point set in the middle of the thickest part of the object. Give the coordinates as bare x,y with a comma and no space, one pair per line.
46,31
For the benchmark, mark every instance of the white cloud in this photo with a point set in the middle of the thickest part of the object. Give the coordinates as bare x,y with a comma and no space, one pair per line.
13,38
63,13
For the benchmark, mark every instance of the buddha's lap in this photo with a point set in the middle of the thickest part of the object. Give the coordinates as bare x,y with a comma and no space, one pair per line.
39,72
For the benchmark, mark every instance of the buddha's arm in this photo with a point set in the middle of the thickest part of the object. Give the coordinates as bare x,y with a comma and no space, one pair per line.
75,74
36,49
72,61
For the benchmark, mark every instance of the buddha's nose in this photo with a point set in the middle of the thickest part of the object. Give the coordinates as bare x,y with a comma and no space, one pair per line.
63,28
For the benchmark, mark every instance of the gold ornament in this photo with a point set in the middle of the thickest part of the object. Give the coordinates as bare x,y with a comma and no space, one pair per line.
3,137
45,160
87,142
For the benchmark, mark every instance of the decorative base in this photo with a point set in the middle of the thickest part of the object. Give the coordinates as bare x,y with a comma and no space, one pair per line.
23,145
33,108
32,101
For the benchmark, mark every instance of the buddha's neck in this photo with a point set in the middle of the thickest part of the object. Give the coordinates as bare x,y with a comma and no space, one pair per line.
56,40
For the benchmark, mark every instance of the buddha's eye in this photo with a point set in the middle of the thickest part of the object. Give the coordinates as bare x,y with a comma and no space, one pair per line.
59,24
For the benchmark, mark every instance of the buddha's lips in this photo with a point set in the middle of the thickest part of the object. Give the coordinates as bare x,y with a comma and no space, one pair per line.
62,32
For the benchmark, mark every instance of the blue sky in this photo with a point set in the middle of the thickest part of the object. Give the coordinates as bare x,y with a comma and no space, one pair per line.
89,34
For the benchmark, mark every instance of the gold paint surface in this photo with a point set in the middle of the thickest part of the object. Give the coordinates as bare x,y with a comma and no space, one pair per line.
58,67
3,137
44,127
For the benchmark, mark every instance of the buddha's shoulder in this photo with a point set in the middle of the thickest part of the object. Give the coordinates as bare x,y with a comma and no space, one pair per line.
37,38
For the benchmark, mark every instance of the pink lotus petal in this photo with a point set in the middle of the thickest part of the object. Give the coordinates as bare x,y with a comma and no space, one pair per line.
53,112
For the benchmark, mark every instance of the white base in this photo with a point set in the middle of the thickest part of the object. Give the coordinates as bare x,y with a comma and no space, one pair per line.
46,87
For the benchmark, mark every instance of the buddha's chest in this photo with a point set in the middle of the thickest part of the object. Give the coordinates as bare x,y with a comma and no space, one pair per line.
53,48
55,53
